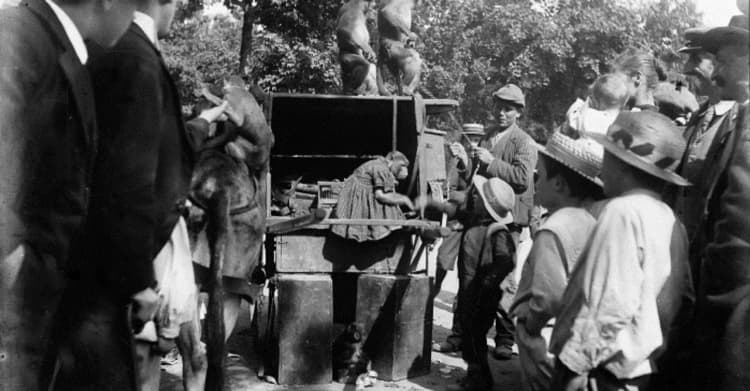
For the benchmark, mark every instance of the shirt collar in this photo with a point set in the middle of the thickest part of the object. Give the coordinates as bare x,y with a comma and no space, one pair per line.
74,36
723,106
147,24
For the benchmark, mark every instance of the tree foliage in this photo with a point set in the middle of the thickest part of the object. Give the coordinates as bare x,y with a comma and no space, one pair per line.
551,48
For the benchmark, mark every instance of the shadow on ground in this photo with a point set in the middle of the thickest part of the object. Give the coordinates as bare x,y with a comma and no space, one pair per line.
446,369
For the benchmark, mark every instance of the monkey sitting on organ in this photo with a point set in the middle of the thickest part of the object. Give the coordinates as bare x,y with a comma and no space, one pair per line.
247,136
396,53
350,363
356,56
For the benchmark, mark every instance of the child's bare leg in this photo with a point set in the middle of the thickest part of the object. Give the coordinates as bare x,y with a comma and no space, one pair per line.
193,353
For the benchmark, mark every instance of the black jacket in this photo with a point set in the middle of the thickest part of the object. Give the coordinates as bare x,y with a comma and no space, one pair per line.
143,169
48,132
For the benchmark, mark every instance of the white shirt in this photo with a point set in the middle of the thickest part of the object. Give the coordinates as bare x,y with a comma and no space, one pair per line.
147,24
609,311
74,36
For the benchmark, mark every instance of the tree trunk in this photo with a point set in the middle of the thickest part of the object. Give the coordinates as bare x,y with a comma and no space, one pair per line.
246,41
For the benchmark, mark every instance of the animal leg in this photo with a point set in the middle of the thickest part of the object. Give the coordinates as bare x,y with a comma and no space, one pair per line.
217,231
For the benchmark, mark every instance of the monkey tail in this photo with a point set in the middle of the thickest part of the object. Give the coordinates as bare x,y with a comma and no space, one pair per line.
217,231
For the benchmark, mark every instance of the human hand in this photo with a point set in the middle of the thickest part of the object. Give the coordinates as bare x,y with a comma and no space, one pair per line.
458,151
215,113
484,155
144,305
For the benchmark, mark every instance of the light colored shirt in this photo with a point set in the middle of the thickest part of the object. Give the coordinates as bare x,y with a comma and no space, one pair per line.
609,310
554,254
147,24
498,136
74,36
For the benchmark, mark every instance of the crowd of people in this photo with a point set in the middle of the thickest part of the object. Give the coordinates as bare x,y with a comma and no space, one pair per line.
638,276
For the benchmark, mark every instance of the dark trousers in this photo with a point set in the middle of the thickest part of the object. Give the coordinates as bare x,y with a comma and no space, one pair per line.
95,347
481,270
31,284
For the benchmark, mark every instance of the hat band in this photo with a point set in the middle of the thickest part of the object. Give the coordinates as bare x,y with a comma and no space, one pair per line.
489,196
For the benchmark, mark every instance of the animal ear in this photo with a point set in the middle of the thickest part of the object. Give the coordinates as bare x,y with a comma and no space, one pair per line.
356,336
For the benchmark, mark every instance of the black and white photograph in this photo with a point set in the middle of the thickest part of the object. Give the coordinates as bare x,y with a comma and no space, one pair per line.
374,195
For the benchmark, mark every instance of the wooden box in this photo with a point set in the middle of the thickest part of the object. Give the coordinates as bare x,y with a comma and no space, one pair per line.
304,328
395,313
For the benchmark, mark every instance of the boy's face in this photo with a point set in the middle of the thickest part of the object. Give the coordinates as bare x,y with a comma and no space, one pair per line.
547,189
477,203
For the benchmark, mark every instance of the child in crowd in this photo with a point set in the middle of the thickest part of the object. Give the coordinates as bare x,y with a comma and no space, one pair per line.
568,186
622,297
609,93
485,258
370,193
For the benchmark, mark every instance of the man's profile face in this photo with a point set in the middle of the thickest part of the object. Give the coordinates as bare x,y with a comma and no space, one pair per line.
732,72
700,63
113,17
505,113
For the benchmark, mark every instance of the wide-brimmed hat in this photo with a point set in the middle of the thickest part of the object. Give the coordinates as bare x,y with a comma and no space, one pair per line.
498,197
510,93
693,37
583,156
648,141
736,33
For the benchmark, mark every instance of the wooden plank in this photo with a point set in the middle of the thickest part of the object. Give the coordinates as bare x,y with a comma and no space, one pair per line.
296,223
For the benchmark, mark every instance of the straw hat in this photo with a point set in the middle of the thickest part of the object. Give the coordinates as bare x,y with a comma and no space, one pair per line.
498,197
583,155
648,141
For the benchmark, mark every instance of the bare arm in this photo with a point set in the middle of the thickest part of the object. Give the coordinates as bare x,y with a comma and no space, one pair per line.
393,198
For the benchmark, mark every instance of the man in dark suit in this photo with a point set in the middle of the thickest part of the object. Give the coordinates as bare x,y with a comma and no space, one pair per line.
720,241
136,232
508,153
49,135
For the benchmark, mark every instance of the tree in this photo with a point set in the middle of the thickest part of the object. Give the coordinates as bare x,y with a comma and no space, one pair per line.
550,48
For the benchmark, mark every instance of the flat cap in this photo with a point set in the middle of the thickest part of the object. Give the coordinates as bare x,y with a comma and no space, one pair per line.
510,93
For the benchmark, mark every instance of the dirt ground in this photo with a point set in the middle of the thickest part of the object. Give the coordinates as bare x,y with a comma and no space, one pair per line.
447,369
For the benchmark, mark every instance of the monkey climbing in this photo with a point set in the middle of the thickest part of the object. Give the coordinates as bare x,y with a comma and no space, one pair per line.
396,53
356,56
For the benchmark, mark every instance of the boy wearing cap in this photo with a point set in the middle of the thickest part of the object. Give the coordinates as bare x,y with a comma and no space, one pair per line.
485,258
717,211
622,297
568,186
508,153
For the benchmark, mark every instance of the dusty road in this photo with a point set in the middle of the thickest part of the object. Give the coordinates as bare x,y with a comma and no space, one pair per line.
446,369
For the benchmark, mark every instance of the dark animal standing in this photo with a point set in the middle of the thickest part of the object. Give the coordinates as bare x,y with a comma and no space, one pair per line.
355,53
229,184
396,53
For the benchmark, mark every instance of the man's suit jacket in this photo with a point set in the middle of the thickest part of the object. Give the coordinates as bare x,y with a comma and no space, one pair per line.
142,175
722,249
515,161
48,132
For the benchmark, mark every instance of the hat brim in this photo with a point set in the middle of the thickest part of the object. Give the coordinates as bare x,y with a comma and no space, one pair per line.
690,49
594,180
635,161
479,182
